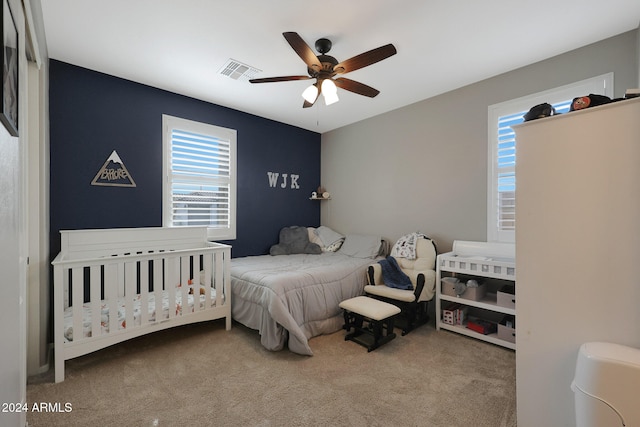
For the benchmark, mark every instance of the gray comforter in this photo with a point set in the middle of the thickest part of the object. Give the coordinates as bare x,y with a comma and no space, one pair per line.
291,298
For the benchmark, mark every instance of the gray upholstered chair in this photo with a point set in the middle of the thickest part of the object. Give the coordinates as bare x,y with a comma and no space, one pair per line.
412,303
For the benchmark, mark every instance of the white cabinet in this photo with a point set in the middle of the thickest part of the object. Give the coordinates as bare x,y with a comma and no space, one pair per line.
491,304
577,249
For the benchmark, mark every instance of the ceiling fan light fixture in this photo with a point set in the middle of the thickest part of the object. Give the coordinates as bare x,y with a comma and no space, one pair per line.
330,92
330,98
310,94
324,67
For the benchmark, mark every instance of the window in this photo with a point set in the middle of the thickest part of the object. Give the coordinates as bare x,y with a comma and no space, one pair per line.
199,186
501,194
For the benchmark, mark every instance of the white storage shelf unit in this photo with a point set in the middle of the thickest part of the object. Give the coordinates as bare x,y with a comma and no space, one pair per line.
493,263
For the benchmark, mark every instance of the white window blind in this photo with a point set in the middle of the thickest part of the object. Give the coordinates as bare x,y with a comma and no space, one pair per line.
200,176
501,212
506,166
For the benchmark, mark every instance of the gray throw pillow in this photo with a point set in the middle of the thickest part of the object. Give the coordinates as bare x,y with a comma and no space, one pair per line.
294,240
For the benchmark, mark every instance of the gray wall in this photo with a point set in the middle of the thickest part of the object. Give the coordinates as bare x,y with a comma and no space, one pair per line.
424,167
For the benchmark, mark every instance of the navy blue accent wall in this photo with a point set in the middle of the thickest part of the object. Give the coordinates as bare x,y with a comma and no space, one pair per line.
92,114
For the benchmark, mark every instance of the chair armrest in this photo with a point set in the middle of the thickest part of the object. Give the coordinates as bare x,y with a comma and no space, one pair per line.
419,286
374,274
428,280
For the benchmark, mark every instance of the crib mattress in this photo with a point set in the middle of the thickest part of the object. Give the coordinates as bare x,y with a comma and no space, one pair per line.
137,307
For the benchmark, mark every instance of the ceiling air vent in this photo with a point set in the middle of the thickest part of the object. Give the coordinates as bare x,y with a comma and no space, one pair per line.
238,71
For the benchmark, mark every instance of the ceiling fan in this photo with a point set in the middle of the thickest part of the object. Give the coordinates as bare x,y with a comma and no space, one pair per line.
324,68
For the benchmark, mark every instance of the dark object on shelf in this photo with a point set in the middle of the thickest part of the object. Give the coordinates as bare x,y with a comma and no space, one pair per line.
539,111
582,102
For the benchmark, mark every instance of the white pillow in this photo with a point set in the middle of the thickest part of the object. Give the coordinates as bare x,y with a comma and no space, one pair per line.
313,237
361,246
328,236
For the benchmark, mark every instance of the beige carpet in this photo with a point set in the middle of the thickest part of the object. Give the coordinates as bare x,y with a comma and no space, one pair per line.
202,375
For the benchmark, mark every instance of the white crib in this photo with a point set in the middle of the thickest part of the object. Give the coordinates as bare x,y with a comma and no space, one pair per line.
152,278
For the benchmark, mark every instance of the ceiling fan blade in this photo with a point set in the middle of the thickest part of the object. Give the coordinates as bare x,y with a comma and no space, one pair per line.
279,79
303,50
356,87
365,59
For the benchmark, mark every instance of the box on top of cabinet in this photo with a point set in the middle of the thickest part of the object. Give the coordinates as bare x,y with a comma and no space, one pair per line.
506,296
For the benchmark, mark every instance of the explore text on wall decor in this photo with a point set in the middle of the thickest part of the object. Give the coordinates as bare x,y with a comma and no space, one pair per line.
113,173
288,180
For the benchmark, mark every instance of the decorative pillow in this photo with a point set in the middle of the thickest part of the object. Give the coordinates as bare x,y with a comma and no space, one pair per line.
360,246
294,240
328,236
334,247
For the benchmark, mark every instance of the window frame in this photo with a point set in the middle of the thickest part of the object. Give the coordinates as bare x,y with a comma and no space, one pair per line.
602,84
169,123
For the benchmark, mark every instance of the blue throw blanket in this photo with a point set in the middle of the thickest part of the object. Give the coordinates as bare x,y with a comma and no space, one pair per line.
393,276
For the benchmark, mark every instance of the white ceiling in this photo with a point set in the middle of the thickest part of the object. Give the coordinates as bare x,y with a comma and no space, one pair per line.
181,45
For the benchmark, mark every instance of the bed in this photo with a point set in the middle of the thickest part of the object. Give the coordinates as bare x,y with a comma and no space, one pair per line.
112,285
292,298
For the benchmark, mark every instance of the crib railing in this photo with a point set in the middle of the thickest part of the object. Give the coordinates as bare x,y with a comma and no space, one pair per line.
103,282
154,289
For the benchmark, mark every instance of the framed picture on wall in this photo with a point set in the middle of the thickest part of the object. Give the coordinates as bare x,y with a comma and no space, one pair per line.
9,88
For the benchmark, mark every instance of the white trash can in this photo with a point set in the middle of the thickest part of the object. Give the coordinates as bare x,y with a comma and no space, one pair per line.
607,385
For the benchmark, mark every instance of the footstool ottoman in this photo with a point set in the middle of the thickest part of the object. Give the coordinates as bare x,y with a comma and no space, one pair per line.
371,320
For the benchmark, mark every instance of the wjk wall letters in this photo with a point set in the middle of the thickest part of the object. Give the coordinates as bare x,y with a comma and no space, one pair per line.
273,180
